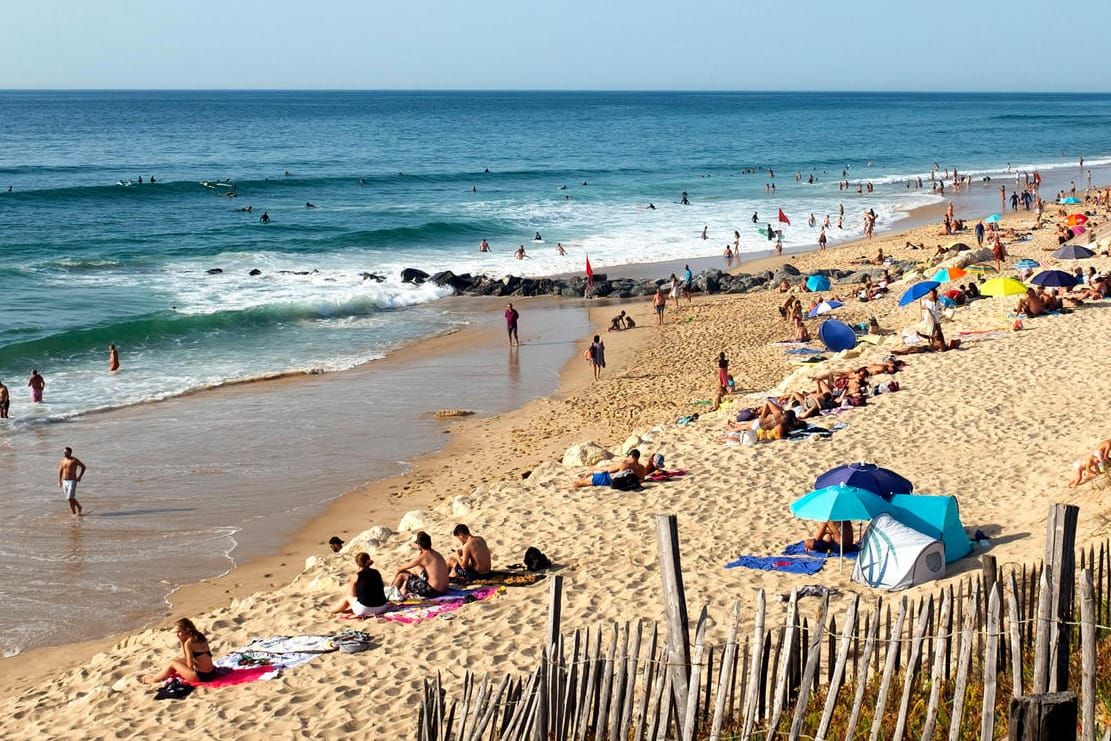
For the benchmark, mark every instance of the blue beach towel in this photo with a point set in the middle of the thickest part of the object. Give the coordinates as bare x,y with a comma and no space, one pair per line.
799,549
790,564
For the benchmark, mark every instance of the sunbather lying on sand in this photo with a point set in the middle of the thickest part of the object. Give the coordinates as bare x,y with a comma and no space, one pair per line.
604,477
772,422
831,537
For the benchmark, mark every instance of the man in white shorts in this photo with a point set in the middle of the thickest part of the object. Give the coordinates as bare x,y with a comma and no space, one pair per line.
70,471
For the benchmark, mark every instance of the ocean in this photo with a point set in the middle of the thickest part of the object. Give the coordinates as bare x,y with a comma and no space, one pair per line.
134,218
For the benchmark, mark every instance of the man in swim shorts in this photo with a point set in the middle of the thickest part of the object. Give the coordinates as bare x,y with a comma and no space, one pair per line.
659,301
605,477
5,401
511,317
472,561
70,471
427,574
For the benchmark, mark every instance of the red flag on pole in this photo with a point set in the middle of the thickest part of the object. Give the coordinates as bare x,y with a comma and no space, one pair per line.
589,272
783,218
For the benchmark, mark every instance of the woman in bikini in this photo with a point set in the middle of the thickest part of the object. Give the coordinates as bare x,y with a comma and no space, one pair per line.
195,664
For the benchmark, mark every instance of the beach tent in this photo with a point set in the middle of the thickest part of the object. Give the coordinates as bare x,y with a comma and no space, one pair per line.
936,516
894,556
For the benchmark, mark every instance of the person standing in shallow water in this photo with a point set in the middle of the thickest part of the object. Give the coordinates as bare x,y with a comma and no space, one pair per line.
511,317
37,384
113,359
5,401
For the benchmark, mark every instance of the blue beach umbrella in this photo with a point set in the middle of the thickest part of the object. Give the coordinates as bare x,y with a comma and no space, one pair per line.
1054,279
917,291
1073,252
992,219
1027,263
880,481
836,336
817,283
1070,201
824,308
839,502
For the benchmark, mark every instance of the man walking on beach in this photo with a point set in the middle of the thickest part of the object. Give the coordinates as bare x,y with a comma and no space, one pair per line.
511,317
70,471
659,302
37,384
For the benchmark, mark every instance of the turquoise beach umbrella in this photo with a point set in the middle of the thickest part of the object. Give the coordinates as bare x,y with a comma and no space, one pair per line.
992,219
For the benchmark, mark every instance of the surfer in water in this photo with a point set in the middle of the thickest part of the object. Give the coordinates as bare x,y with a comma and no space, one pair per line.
265,218
309,204
684,201
484,246
520,253
538,238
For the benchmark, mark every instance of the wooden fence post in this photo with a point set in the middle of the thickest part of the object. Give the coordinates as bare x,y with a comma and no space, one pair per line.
1088,656
555,608
1060,550
675,605
727,660
1049,717
991,664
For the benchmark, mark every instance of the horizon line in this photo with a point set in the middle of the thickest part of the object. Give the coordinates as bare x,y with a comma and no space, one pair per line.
892,91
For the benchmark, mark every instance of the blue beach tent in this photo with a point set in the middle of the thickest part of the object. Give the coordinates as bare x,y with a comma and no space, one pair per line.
936,516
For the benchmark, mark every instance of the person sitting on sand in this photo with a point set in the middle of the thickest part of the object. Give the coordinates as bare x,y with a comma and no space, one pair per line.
784,286
1031,305
832,536
802,334
617,323
1049,298
472,561
1089,467
364,594
427,574
195,664
605,476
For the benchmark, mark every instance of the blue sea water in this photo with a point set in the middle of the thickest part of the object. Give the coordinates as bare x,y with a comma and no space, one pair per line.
90,256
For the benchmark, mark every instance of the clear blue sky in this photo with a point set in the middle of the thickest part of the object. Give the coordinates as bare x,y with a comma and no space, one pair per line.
561,44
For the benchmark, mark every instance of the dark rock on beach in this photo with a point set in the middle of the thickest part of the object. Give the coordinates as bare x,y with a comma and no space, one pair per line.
413,275
214,271
255,271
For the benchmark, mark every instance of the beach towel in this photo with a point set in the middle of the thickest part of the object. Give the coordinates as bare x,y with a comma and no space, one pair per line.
799,549
815,431
804,351
411,612
662,475
273,656
227,677
506,578
789,564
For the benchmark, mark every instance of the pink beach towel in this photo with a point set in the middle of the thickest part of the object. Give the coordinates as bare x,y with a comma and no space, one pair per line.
412,613
236,676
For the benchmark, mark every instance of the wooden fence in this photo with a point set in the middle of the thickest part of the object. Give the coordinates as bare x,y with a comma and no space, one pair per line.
959,663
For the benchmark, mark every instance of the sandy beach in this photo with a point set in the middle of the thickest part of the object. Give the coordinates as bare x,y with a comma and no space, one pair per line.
996,423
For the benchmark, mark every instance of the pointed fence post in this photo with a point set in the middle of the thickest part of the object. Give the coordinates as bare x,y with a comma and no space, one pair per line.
675,605
1060,550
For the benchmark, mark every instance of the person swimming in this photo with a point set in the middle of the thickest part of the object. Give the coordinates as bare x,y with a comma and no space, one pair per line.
538,238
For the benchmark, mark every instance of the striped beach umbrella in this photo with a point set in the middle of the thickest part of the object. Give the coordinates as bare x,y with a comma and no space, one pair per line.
980,267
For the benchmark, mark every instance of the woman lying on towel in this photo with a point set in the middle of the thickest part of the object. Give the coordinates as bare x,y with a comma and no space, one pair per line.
832,536
195,664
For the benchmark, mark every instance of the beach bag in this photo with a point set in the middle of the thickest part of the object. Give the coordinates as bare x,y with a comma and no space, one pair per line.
535,560
175,689
748,438
624,481
352,641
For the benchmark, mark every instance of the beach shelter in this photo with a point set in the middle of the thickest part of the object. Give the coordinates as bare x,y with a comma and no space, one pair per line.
936,516
817,283
836,336
894,556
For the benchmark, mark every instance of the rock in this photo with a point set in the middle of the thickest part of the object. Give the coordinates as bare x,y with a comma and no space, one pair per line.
789,269
446,413
311,562
255,271
373,276
585,454
324,583
411,521
413,275
633,441
214,271
460,505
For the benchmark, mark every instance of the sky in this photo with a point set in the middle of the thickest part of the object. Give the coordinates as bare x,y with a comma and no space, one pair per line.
1016,45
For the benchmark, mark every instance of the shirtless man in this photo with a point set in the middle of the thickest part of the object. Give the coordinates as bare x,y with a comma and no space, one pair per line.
70,471
37,384
472,561
427,574
113,358
605,476
832,536
5,401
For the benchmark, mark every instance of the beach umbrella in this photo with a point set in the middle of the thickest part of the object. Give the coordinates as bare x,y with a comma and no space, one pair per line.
917,291
824,308
836,336
980,267
1027,263
838,503
1073,252
946,302
1078,230
944,275
1003,287
992,219
881,481
1054,279
1076,219
1070,201
817,283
